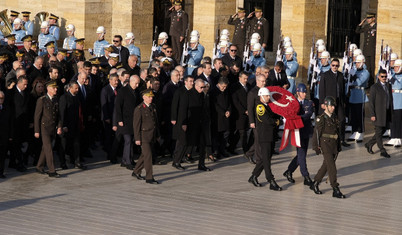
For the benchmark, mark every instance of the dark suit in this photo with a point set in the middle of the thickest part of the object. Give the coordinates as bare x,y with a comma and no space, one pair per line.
5,126
273,81
239,100
133,71
123,54
34,73
107,97
228,60
211,80
220,104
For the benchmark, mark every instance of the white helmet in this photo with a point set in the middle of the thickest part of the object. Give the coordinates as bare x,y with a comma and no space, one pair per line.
194,39
70,27
289,51
357,52
256,47
321,48
224,38
225,32
194,33
286,39
387,49
253,41
394,56
398,62
287,44
352,47
256,35
130,35
17,21
163,35
263,91
360,59
44,24
325,55
100,29
319,42
223,44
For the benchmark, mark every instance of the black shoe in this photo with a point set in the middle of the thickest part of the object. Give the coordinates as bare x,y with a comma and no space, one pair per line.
253,180
80,166
54,175
314,187
40,171
203,168
288,176
337,193
344,144
21,169
307,180
385,154
64,166
274,186
151,181
275,152
369,148
2,176
130,167
139,177
178,166
187,160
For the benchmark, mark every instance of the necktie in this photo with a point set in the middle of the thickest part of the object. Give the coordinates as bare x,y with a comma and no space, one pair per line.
83,91
115,92
277,76
1,107
384,86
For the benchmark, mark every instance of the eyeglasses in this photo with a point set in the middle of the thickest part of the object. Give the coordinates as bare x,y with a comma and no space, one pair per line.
202,87
335,65
383,76
233,50
169,51
116,41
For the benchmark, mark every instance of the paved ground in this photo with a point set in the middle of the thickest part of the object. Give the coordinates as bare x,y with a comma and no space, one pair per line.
106,199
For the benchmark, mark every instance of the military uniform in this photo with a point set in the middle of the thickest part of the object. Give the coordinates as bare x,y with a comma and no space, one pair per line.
19,34
261,27
291,67
239,35
29,26
43,40
178,28
396,125
194,59
69,42
99,47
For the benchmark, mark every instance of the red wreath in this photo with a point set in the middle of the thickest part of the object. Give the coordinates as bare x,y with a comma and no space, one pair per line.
283,103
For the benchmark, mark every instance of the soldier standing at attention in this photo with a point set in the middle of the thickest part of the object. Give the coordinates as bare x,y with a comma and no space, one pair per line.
100,44
240,22
145,134
370,34
53,27
326,140
28,24
178,28
259,25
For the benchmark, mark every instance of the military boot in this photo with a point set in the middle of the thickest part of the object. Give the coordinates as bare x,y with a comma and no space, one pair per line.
274,186
289,176
314,187
337,193
307,180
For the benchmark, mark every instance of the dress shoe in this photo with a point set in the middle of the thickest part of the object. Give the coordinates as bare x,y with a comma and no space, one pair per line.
314,187
203,168
40,171
54,175
288,176
21,169
80,166
64,166
385,154
369,148
130,167
2,176
344,144
337,193
307,180
151,181
139,177
178,166
274,186
253,180
187,160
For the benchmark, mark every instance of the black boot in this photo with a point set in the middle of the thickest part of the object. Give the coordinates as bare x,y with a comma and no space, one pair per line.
274,186
288,176
314,187
253,180
307,180
337,193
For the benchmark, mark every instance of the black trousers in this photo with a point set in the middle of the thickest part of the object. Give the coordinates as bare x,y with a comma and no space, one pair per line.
396,124
177,47
181,147
377,137
370,63
3,151
72,144
357,117
264,162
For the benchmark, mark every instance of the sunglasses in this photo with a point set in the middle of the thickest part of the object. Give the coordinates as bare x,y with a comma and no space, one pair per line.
383,76
335,65
116,41
233,50
169,51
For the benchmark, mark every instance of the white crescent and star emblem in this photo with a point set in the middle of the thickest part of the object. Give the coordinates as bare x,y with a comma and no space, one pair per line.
290,98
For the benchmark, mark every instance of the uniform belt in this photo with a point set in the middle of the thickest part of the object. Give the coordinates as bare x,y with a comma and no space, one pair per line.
359,87
192,66
290,77
335,136
396,91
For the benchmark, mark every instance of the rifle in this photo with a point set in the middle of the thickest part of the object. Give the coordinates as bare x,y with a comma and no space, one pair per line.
312,75
280,46
215,51
382,49
347,72
154,44
184,54
246,53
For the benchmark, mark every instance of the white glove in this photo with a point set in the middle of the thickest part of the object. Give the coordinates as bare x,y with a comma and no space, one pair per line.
352,72
245,54
278,53
346,67
317,69
91,51
185,53
381,64
154,48
278,58
249,62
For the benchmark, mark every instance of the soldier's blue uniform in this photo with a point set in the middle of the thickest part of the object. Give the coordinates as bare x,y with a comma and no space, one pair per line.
357,99
69,43
43,39
19,34
256,62
29,26
194,58
99,49
396,125
291,71
135,51
55,31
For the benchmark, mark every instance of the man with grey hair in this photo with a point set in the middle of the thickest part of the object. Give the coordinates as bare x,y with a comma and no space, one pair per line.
132,65
12,74
36,71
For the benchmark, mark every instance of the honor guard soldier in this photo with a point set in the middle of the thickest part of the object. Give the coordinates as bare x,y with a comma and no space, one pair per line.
46,125
146,133
69,41
99,45
305,112
255,60
326,140
178,27
358,82
291,67
19,33
28,24
266,121
195,55
133,50
53,27
259,25
323,66
158,51
240,22
370,34
45,37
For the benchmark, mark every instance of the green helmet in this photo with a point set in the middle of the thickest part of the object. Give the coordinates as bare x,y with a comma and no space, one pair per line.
329,100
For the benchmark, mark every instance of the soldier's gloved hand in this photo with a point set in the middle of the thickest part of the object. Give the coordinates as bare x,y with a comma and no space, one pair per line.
312,60
154,48
278,53
249,62
91,51
278,58
317,151
381,64
317,69
245,54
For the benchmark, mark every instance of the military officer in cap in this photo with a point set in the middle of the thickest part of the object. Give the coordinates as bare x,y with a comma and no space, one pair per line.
69,41
28,24
11,48
46,125
370,34
146,132
80,44
45,37
326,140
19,33
50,51
61,64
259,24
105,58
178,27
240,22
53,27
29,54
13,15
133,50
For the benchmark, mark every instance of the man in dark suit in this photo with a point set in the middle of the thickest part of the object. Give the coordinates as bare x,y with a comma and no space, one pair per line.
146,133
380,107
132,66
178,120
215,74
122,51
207,74
46,121
231,57
277,76
126,100
5,121
178,27
332,84
36,71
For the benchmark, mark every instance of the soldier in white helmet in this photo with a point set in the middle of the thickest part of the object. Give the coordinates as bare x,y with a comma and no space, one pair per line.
45,37
195,33
133,50
19,33
291,67
69,41
158,51
392,60
223,48
195,53
100,43
255,59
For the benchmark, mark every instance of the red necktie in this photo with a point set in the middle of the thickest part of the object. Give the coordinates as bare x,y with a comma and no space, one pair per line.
115,92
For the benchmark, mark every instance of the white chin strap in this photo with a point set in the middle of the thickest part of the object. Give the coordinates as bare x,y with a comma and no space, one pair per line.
263,99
